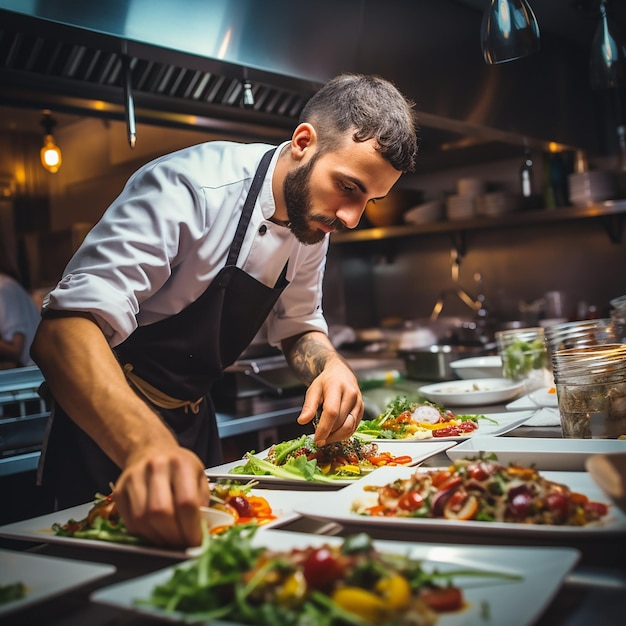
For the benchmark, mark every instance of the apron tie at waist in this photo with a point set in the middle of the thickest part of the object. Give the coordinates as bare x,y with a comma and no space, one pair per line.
156,396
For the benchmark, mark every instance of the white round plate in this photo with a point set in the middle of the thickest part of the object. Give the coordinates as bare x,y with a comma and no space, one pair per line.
478,367
472,392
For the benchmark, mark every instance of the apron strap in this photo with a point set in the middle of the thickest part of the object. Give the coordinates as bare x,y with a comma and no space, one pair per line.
156,396
242,226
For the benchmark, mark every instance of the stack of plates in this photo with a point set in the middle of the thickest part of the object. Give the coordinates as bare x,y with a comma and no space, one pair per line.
497,203
460,207
425,213
589,187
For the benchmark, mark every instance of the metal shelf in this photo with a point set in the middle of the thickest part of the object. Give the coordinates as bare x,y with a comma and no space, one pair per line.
611,213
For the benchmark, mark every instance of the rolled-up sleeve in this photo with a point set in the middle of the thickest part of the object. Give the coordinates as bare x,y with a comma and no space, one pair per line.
299,308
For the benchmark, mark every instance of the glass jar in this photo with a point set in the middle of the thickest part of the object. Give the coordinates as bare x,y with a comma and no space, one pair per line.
591,391
580,334
525,357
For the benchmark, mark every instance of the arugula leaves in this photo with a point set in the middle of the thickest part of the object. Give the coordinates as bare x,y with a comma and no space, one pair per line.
298,468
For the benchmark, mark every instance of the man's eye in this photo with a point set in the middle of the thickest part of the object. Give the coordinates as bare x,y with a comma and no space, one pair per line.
346,188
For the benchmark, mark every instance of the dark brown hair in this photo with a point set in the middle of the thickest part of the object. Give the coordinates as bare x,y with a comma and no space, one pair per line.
370,106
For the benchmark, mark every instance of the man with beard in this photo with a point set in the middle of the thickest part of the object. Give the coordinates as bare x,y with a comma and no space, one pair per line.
199,250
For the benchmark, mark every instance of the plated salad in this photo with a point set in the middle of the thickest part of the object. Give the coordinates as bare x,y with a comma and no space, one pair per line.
482,489
332,584
303,459
104,523
408,419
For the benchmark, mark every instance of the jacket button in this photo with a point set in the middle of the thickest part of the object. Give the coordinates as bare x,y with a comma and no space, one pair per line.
262,229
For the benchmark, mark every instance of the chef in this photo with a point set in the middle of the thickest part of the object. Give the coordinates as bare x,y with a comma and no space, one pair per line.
201,248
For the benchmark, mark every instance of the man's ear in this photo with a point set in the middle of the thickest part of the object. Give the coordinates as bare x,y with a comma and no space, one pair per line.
303,140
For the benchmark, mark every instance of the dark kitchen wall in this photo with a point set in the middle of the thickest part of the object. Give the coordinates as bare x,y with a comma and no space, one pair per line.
402,278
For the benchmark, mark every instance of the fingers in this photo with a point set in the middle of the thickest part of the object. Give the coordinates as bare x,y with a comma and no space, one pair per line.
336,425
159,499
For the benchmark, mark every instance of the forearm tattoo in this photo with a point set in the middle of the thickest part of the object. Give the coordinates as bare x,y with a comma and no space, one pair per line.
308,358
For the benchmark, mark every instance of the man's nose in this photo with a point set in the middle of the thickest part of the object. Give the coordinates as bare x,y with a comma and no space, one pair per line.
350,215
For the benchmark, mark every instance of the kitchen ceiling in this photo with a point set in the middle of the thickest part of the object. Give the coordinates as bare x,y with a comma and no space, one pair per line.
38,59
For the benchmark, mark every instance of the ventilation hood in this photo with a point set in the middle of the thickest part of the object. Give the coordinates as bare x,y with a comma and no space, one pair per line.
188,60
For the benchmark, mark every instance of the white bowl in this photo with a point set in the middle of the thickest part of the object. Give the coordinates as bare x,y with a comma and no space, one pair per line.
478,367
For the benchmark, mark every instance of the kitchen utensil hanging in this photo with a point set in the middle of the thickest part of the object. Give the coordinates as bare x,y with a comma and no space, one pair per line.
456,290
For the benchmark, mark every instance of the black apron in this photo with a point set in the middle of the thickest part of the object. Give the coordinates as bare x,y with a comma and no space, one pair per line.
181,356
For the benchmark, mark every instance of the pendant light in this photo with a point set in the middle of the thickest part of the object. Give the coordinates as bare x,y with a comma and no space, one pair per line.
50,153
509,31
608,53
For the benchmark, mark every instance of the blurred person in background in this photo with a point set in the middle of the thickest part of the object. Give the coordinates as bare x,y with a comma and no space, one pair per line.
19,318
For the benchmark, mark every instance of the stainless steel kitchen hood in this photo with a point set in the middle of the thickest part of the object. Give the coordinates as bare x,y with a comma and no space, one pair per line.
189,58
74,69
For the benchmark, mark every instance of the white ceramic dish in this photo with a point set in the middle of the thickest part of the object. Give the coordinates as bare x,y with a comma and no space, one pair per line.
397,448
39,529
542,453
478,367
215,518
337,507
545,397
472,392
515,602
44,576
502,423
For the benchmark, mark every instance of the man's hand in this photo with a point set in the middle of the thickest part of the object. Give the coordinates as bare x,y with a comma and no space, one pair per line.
332,386
159,494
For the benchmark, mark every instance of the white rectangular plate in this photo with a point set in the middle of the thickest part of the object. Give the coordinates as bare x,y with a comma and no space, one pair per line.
39,529
516,602
544,454
337,507
535,400
505,422
397,448
44,576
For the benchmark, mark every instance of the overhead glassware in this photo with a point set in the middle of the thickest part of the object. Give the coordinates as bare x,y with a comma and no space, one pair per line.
509,31
608,53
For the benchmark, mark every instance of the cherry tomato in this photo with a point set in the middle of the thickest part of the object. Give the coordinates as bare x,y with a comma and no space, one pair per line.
519,505
450,483
321,568
596,509
241,505
410,501
443,598
439,477
558,504
479,470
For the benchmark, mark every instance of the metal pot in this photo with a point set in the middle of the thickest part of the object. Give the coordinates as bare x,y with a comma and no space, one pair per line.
433,363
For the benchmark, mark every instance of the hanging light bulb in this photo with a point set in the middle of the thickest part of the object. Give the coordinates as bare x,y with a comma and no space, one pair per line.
50,153
509,31
608,53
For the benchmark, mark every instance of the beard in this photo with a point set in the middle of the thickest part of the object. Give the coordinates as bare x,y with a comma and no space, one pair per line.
297,192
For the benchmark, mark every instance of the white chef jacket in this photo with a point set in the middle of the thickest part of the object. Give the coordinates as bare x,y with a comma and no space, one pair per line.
167,235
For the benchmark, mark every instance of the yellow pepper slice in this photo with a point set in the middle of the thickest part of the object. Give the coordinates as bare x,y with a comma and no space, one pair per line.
395,590
365,604
350,469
